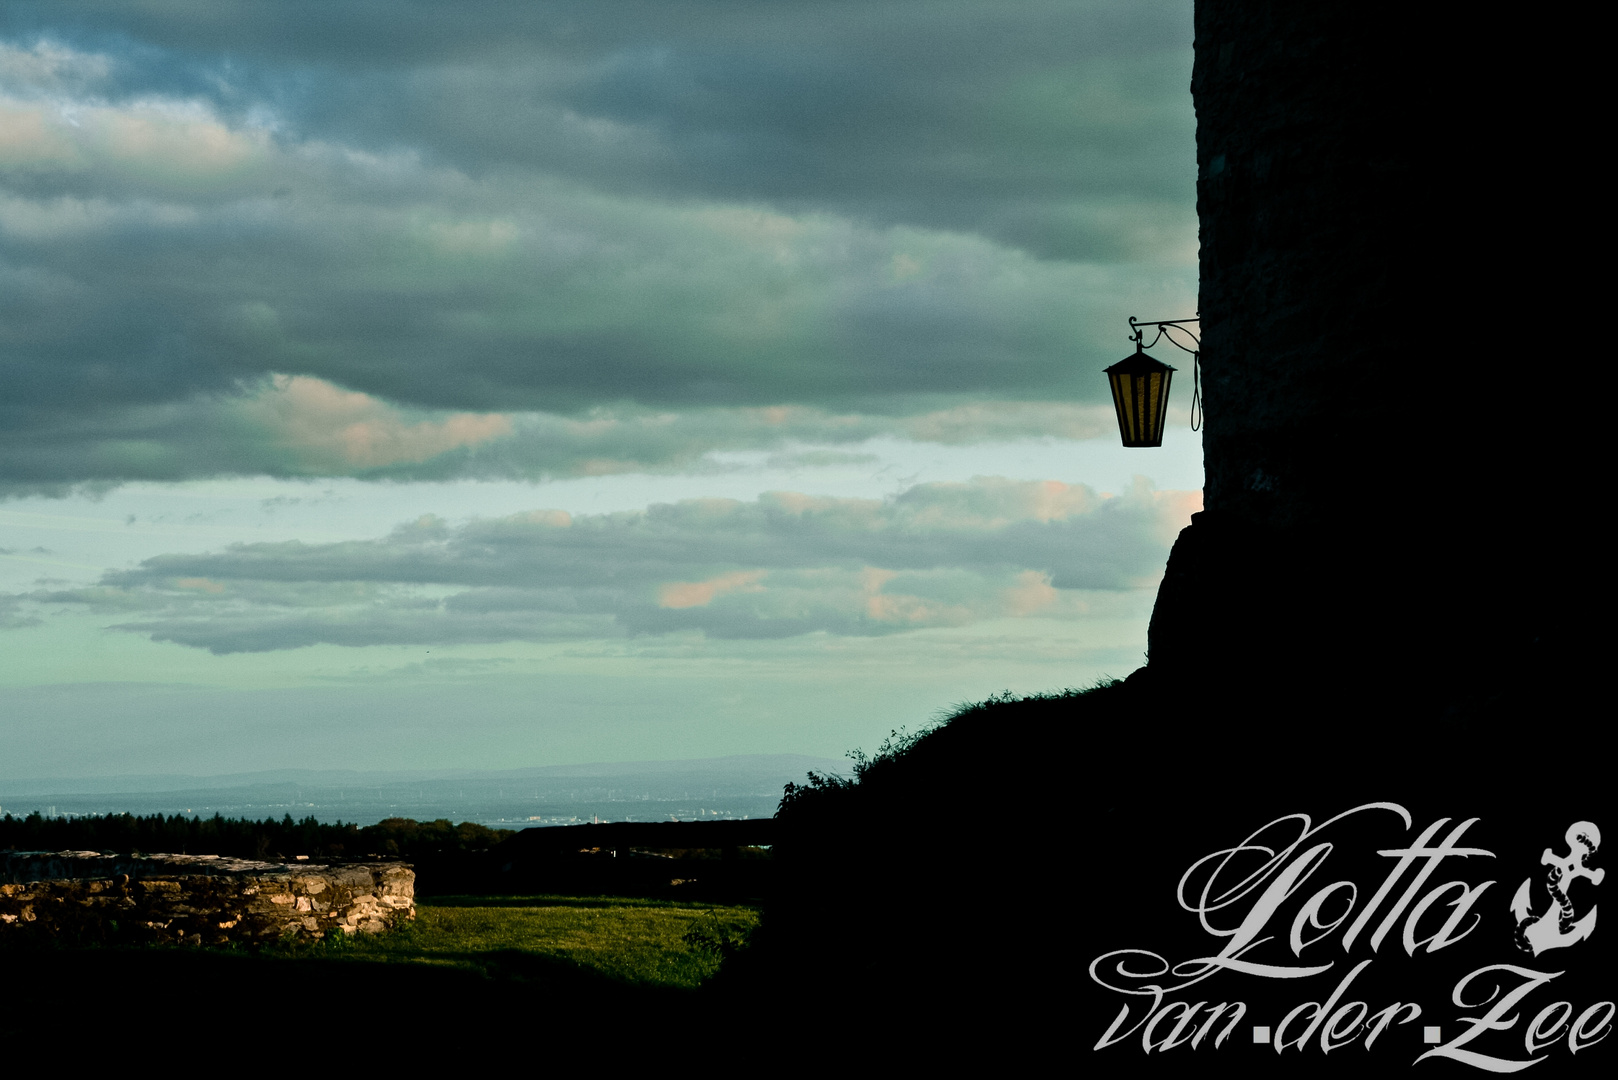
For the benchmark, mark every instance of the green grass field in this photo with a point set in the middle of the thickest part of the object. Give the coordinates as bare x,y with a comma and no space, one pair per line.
642,942
498,965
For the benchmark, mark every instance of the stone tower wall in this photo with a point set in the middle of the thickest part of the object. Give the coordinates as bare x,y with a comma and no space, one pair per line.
1378,210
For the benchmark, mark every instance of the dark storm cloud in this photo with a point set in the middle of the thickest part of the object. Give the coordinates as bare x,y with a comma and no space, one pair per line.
783,565
873,210
908,104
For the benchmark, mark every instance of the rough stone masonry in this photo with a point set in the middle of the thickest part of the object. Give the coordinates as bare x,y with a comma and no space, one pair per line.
196,899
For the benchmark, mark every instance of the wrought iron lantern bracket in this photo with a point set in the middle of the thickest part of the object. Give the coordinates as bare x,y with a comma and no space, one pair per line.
1166,328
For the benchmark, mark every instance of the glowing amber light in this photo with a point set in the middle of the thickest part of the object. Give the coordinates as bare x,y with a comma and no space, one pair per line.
1140,391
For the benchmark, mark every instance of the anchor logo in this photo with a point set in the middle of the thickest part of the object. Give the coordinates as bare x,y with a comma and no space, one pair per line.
1557,927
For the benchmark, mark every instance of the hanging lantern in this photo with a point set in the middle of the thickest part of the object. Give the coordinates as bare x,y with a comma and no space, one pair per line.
1140,390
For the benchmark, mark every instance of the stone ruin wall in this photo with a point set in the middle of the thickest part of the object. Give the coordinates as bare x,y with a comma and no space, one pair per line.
197,899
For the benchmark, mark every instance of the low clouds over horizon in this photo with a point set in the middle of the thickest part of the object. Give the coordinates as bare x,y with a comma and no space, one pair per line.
277,277
428,241
782,565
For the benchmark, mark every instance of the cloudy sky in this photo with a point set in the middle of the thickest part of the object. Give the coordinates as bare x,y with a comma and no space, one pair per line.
391,385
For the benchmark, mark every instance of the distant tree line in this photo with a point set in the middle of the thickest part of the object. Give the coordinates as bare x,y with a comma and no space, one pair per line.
127,834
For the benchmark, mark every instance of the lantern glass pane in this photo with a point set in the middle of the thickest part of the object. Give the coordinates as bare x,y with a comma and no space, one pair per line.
1121,397
1160,408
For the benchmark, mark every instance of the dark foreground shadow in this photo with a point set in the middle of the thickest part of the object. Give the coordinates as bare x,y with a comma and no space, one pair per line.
128,1003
